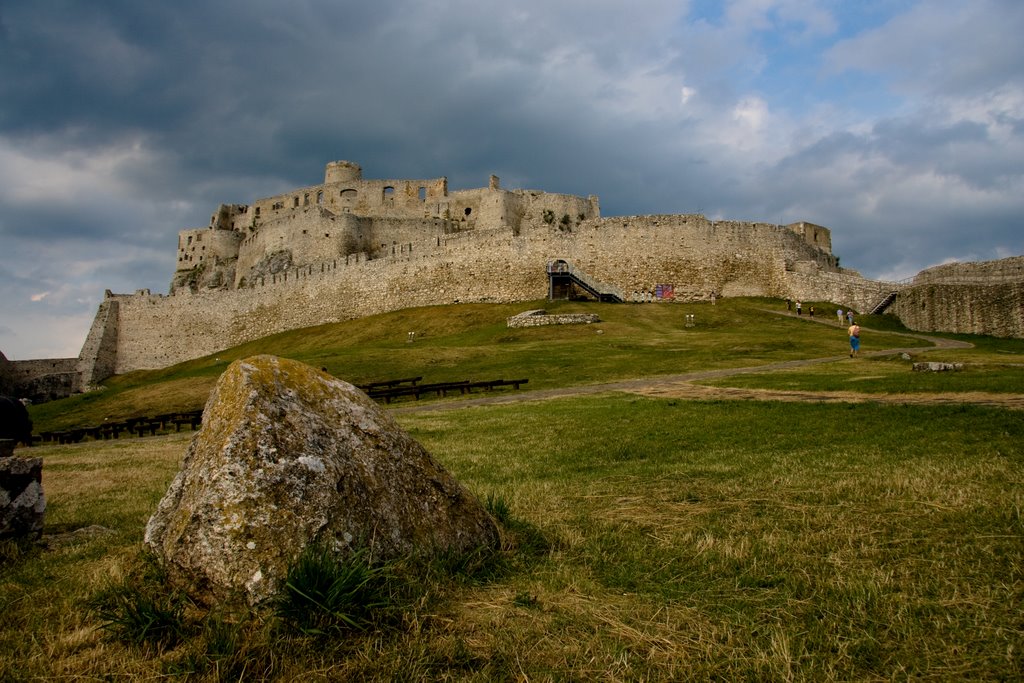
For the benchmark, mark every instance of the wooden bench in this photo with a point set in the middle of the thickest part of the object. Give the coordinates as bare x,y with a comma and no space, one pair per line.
494,383
388,383
439,388
192,419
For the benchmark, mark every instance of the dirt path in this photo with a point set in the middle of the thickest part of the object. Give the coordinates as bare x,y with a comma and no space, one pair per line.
683,385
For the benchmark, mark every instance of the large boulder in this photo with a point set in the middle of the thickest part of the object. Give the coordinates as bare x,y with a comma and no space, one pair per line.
288,456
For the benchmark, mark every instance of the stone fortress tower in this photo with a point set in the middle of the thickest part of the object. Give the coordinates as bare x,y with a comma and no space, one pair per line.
351,247
348,218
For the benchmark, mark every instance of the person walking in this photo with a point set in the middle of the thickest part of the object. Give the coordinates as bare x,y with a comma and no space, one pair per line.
799,308
854,332
839,315
849,315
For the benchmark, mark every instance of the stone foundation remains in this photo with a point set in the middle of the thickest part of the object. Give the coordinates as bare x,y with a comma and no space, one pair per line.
540,317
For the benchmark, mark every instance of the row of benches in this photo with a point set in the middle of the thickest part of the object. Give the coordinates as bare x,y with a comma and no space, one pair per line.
140,426
392,389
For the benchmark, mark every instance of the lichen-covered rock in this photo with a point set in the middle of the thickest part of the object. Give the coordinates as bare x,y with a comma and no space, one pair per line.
288,456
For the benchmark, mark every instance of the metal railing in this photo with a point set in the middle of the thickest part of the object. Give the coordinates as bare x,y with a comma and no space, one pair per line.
595,287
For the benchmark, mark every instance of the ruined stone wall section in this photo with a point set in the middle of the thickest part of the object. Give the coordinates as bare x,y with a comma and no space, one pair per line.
207,245
848,290
985,297
230,217
697,255
993,309
390,197
1008,270
45,380
26,370
39,380
816,235
98,358
309,235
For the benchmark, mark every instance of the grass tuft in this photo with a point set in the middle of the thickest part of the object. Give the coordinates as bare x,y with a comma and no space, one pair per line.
325,593
139,616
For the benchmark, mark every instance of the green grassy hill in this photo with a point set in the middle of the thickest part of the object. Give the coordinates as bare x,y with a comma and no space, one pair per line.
472,341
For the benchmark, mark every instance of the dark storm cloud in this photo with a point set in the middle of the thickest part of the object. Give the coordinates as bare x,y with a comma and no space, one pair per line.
124,122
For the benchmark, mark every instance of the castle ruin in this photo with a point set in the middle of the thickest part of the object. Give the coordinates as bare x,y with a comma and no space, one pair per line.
352,247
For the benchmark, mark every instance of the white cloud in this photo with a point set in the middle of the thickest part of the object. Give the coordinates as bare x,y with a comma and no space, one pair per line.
805,17
43,335
958,48
45,175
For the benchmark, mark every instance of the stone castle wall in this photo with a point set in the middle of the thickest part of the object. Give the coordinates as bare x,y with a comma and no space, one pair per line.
44,380
98,357
969,298
480,265
843,288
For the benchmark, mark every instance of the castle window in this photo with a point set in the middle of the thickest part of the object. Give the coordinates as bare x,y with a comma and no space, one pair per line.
423,194
468,210
295,202
389,193
320,197
257,211
305,200
278,205
348,194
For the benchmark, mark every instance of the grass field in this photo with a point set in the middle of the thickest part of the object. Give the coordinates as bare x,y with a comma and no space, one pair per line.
645,539
473,342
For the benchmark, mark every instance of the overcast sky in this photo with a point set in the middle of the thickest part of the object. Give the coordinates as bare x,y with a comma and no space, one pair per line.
899,124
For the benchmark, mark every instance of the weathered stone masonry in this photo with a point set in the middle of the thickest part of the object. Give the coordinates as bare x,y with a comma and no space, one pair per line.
484,264
972,298
351,247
